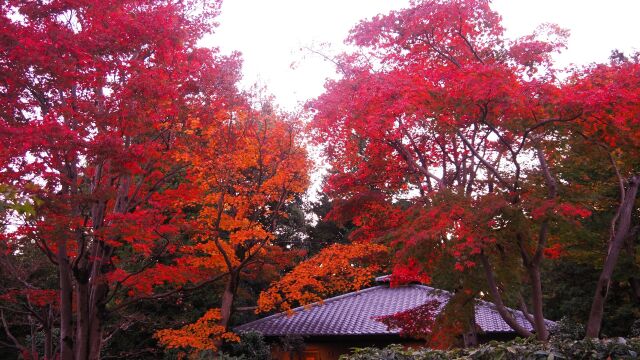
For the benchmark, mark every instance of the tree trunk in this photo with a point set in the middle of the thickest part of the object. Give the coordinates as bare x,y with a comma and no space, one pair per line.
624,223
227,299
542,333
497,300
69,187
470,337
533,263
97,299
66,294
82,317
635,287
34,350
95,334
92,285
48,343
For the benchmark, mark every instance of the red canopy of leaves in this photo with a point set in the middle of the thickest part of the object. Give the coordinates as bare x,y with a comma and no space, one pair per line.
95,103
437,107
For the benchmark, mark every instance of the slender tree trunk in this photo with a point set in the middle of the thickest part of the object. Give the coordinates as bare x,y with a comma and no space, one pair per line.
542,333
227,299
82,317
635,287
34,350
64,267
525,311
96,289
49,323
470,337
533,262
497,300
95,333
98,311
99,290
48,343
624,224
66,294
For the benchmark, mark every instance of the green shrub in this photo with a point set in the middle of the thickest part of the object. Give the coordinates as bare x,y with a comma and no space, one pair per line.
397,352
250,347
635,329
519,349
568,329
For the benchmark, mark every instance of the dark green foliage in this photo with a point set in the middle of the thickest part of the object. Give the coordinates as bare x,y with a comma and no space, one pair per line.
292,229
251,347
324,232
292,343
519,349
569,287
396,352
635,329
568,329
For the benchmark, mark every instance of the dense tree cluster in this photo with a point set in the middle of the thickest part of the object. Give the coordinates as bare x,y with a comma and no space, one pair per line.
482,166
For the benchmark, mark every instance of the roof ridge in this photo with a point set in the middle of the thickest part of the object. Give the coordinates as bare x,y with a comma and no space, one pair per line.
447,292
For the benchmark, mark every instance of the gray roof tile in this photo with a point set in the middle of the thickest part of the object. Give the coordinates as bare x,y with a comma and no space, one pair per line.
354,313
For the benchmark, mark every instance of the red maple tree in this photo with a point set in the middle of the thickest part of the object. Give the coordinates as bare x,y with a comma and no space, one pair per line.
456,127
95,101
416,322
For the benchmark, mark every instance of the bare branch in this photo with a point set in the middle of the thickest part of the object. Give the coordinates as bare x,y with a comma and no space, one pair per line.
404,152
543,123
171,292
9,334
329,59
484,162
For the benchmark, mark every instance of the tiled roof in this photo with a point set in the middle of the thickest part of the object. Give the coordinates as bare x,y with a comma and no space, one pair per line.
354,313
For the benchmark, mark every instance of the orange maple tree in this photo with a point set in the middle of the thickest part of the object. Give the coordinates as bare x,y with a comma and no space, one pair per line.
243,172
201,335
335,269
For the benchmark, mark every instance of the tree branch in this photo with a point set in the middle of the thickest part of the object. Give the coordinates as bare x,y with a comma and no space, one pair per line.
402,150
484,162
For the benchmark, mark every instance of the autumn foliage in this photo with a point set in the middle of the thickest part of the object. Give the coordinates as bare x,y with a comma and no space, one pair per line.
416,322
242,173
465,135
133,173
201,335
115,126
336,269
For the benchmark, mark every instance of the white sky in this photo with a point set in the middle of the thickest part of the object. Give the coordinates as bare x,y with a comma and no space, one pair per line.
271,33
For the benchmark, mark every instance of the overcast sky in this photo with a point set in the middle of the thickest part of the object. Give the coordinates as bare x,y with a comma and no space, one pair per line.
271,33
